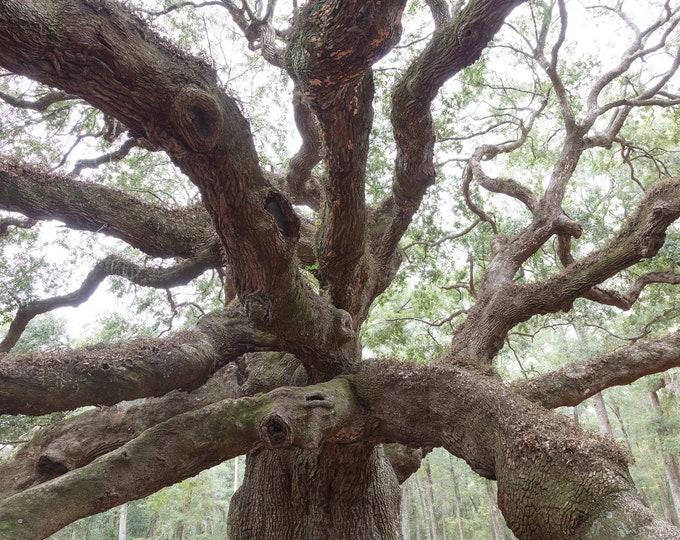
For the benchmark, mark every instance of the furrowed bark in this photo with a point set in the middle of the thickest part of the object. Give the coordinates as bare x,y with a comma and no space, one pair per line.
104,375
572,384
76,441
85,206
543,458
554,481
331,65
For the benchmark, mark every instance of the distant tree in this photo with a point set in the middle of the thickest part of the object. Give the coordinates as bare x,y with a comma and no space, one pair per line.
539,131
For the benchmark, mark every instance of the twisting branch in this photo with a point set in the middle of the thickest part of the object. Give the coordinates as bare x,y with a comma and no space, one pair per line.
180,5
112,265
40,104
474,208
305,188
637,51
550,66
6,223
455,45
116,155
626,299
443,239
507,186
575,383
503,303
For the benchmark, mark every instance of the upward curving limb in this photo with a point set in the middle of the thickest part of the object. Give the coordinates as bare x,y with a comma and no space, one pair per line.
456,44
503,304
332,69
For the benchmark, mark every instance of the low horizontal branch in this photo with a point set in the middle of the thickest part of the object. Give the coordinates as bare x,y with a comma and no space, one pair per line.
577,382
180,448
37,384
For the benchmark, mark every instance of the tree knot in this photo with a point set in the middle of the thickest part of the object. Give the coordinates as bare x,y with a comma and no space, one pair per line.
198,119
276,432
259,308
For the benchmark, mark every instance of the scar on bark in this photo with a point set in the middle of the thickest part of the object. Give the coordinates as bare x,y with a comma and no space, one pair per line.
283,214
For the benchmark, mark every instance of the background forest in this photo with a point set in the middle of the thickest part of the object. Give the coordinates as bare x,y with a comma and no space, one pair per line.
415,317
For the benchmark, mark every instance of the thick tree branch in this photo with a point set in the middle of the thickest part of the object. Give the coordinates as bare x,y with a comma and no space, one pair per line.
571,385
395,399
503,303
74,442
111,59
455,45
409,404
154,230
305,188
105,375
330,57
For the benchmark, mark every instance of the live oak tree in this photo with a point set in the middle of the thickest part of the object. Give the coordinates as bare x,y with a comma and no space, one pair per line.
305,251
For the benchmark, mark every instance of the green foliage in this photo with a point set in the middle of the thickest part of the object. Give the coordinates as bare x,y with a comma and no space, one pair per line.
198,507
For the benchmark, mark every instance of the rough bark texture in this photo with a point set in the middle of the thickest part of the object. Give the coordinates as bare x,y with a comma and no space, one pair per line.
278,374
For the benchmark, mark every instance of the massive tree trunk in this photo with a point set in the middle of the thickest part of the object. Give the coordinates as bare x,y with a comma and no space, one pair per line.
334,492
279,375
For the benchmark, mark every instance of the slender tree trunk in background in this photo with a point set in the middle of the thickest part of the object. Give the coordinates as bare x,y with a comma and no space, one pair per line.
74,531
666,503
414,510
151,532
179,530
423,505
430,500
405,524
617,413
456,499
575,415
235,474
494,513
670,461
122,522
602,416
